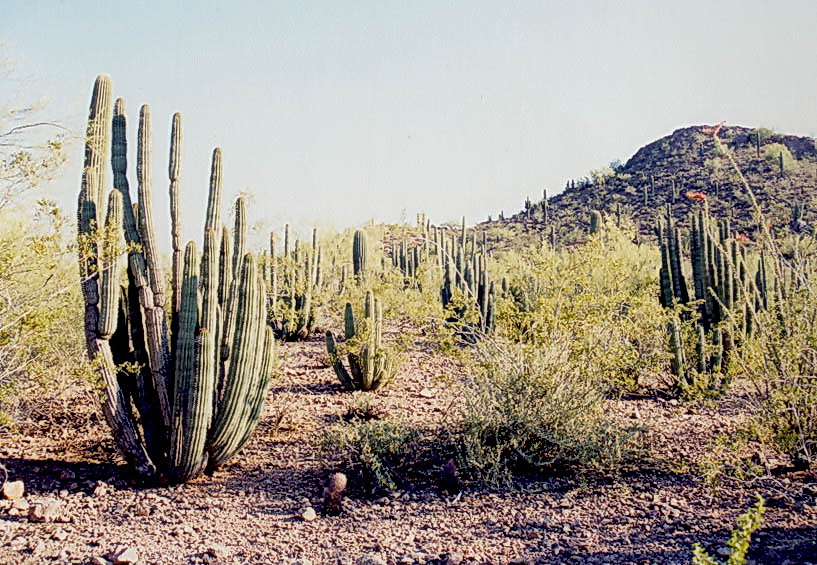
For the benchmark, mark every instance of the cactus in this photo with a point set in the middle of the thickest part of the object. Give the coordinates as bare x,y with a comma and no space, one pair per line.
727,295
359,255
292,297
465,277
373,365
175,409
595,222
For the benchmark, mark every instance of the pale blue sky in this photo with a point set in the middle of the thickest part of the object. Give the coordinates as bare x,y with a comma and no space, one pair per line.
344,111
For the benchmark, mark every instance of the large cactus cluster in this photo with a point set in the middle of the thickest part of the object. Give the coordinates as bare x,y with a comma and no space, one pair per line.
467,290
183,401
294,280
371,366
728,286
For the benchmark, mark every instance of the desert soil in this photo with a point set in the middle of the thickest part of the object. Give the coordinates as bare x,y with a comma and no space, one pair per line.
252,510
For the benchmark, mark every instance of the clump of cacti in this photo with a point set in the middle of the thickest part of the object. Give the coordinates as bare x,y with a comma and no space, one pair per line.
294,283
467,291
371,365
177,404
726,296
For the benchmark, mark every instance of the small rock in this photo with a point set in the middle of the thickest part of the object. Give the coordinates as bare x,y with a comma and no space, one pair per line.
21,504
60,535
13,490
309,514
723,551
124,555
46,511
453,558
99,561
427,393
521,561
218,551
372,559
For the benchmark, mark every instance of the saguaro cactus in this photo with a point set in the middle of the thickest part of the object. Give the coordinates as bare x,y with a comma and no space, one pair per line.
359,255
176,409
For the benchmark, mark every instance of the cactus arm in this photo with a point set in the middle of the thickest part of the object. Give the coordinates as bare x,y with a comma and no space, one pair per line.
185,357
213,218
111,268
337,364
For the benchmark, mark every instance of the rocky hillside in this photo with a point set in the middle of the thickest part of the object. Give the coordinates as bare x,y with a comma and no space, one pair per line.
780,169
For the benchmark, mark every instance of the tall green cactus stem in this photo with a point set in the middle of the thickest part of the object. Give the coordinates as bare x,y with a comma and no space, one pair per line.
97,140
110,267
174,173
166,412
359,255
146,228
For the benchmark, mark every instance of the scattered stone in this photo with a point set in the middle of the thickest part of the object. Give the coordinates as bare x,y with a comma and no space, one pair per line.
21,505
124,555
46,511
427,393
372,559
521,561
13,490
309,514
218,551
100,561
453,558
60,535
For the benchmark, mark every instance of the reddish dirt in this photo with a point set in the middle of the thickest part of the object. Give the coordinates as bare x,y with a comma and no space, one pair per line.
250,511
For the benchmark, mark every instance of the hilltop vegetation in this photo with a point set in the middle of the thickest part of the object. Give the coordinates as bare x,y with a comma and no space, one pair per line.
687,160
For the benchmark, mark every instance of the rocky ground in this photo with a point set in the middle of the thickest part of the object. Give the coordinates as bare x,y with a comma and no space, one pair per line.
79,508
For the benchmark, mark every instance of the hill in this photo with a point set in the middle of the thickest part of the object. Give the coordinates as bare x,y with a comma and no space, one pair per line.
780,169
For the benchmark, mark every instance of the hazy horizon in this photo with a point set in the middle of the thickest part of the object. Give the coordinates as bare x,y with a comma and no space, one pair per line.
337,113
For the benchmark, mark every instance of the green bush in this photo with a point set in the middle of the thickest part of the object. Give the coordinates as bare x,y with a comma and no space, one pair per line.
602,295
533,409
378,452
41,340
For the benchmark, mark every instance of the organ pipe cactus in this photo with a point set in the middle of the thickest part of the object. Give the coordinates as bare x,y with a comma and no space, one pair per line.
726,296
182,407
372,366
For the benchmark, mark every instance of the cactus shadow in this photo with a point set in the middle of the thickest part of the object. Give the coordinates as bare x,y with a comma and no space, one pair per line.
43,476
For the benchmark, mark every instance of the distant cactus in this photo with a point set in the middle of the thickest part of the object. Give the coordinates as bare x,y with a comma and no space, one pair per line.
595,222
359,256
175,409
294,281
371,365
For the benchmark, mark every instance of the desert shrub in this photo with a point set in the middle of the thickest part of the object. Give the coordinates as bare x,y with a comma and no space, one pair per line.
533,409
779,363
378,452
602,295
772,153
41,340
